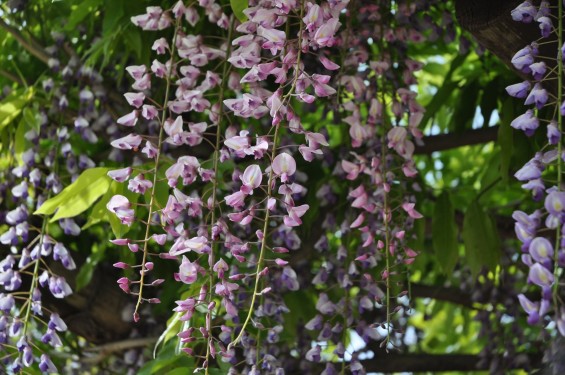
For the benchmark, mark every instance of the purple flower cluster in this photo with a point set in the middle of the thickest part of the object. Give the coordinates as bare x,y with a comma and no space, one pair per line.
367,250
37,174
542,254
222,232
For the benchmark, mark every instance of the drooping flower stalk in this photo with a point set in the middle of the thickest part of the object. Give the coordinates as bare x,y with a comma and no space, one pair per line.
152,203
35,275
544,260
558,231
271,182
386,216
216,155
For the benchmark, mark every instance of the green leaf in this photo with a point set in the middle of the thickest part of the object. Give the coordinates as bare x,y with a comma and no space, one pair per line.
491,173
161,191
506,139
80,12
464,113
444,233
28,122
100,213
87,269
12,106
238,6
167,361
335,135
113,14
79,196
171,330
445,91
31,119
482,243
132,37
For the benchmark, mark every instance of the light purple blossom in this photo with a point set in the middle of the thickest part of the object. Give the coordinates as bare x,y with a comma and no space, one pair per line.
120,175
530,171
545,25
553,133
56,323
251,178
537,96
314,354
526,122
525,12
188,271
59,287
60,253
135,99
519,90
139,184
538,70
275,39
284,165
540,275
541,249
46,365
130,119
324,36
121,206
129,142
555,203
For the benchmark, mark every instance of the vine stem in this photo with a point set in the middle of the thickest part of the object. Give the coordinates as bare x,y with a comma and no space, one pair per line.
35,271
559,147
226,70
35,277
386,209
269,191
263,247
157,159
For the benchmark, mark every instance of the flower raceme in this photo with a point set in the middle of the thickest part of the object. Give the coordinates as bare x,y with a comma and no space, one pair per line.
539,254
220,231
219,215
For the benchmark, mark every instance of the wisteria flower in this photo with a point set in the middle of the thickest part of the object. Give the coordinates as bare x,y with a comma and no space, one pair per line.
284,166
188,271
251,179
121,206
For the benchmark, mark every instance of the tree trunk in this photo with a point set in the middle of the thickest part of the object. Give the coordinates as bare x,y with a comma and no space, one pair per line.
492,26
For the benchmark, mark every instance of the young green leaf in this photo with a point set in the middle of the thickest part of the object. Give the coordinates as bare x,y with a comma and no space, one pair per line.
79,196
444,233
238,6
12,106
482,243
506,139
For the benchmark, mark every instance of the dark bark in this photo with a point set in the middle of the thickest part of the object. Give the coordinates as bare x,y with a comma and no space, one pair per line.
491,24
96,311
24,42
393,362
443,142
447,294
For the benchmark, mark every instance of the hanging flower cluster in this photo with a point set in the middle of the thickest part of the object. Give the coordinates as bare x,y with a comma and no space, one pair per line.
543,254
37,260
368,249
225,234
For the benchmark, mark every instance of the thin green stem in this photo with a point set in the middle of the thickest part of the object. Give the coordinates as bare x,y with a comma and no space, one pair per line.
261,252
35,277
559,147
223,87
156,169
260,261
